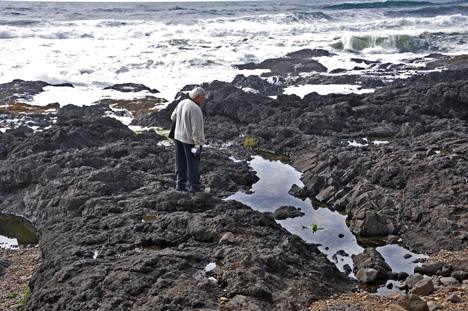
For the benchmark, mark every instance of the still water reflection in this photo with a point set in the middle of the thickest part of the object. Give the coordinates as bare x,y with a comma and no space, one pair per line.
16,231
336,240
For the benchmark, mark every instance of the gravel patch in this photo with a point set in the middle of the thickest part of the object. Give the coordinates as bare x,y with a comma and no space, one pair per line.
14,281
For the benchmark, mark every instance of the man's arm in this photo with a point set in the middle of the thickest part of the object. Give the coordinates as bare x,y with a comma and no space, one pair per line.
198,134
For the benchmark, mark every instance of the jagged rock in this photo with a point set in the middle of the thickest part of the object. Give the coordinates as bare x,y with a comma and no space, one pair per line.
285,212
131,88
369,261
257,84
88,183
286,65
93,180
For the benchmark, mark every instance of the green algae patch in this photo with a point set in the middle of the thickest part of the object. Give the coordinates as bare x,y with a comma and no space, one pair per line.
250,142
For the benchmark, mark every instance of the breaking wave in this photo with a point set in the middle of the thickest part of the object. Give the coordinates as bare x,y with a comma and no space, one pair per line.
379,5
389,44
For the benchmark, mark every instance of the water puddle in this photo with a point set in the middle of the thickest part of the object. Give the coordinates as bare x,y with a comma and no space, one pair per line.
16,231
336,241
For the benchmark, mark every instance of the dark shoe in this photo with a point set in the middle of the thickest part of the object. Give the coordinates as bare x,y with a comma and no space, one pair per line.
183,190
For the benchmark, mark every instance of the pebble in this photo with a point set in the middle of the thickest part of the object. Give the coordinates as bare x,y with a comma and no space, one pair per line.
453,298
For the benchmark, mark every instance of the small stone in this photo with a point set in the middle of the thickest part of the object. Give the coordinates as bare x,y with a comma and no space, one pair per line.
401,286
448,281
453,298
395,295
434,306
394,307
223,299
227,238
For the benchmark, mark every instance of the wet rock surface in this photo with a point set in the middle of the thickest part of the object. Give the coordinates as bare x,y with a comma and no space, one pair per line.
115,235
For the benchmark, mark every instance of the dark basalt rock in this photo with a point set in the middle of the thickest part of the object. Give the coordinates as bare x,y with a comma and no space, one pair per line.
400,187
370,266
285,212
88,183
131,88
293,64
259,85
87,112
20,90
309,53
114,234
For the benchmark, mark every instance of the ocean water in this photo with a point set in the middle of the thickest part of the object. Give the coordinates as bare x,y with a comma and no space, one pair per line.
168,45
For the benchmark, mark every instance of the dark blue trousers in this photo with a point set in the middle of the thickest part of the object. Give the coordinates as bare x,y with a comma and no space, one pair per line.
187,163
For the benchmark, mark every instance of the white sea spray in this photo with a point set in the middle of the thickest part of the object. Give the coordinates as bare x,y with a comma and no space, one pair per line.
167,46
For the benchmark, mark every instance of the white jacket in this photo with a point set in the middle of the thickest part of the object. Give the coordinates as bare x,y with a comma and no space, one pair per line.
189,123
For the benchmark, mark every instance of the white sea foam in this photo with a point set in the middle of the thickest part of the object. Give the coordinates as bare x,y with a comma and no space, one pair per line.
166,49
303,90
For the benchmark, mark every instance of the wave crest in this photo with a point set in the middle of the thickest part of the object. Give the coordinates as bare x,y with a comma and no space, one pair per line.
378,5
388,44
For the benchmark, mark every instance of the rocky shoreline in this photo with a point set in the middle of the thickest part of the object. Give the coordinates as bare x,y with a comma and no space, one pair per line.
114,235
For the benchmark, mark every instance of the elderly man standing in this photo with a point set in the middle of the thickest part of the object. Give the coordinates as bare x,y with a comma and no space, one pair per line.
189,138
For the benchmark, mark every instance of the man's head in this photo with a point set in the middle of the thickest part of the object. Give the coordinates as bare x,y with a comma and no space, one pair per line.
197,95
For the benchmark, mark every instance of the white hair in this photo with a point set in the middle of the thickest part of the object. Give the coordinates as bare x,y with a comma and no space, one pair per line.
196,92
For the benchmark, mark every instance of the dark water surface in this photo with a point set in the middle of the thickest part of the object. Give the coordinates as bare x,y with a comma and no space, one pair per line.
16,231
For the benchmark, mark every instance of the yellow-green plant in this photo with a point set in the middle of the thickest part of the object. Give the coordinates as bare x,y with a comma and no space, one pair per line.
313,227
250,142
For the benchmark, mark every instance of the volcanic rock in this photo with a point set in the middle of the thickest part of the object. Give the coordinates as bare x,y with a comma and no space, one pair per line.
131,88
88,185
371,266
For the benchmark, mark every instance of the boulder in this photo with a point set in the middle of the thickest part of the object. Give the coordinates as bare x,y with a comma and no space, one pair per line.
412,302
423,287
369,261
413,279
